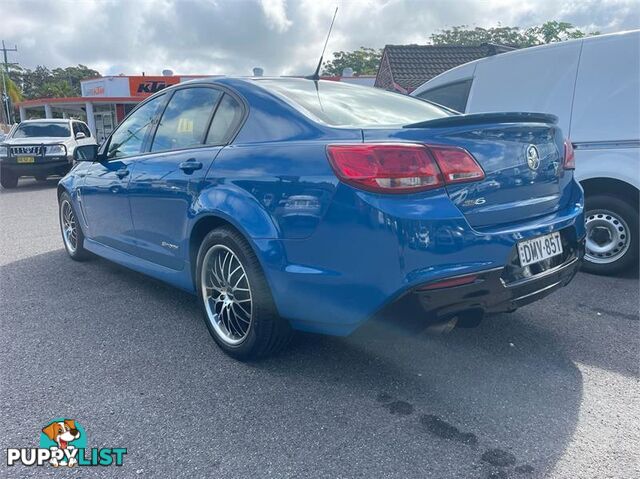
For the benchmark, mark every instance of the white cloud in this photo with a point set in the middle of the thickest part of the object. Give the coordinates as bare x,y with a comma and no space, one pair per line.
232,36
276,13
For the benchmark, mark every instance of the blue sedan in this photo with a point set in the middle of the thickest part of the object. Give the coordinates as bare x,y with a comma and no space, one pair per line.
291,204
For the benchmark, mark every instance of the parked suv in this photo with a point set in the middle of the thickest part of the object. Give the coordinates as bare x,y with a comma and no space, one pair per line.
592,86
41,148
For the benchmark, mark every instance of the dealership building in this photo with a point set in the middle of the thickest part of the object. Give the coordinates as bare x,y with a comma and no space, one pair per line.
105,101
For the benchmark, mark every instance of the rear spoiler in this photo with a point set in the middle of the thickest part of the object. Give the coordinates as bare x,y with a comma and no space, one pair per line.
484,118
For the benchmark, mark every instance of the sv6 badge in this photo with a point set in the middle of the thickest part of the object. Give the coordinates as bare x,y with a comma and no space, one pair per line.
476,202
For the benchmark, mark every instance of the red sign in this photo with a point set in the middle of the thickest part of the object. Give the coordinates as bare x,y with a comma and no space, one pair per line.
145,86
96,91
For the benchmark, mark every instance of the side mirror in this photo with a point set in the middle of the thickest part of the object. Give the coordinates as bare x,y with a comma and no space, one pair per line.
80,135
86,153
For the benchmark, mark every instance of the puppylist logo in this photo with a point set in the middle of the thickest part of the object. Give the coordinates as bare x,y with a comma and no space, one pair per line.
63,443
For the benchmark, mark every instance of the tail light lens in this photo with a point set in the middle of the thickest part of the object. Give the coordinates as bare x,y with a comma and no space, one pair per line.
569,156
402,168
456,164
385,168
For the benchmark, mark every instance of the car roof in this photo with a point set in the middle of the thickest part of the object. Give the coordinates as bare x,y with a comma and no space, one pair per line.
251,80
245,84
49,120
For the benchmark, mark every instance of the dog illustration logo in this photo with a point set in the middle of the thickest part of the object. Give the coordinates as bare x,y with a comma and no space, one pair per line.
63,442
63,432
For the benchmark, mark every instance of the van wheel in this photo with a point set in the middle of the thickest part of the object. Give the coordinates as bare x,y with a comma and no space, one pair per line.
235,298
612,235
72,235
8,179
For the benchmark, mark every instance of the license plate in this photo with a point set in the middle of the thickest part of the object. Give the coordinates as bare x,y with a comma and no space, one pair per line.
26,159
540,248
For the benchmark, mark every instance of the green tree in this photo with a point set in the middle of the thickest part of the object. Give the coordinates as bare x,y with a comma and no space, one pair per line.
59,82
57,89
13,92
554,31
462,35
74,75
30,81
548,32
364,61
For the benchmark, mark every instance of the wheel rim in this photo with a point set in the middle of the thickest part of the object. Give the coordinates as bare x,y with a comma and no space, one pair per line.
227,295
69,226
607,237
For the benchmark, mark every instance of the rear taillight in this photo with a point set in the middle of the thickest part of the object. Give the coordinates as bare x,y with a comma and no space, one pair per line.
456,164
385,168
569,156
402,168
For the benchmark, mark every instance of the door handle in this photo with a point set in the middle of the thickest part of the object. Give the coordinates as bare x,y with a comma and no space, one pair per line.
122,172
190,165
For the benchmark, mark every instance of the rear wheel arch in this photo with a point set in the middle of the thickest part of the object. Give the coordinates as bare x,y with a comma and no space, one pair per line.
610,186
202,228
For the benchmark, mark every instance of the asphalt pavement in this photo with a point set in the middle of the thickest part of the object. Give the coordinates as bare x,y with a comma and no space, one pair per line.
548,391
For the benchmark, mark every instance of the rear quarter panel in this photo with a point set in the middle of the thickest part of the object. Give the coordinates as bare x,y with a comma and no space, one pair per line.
618,163
278,190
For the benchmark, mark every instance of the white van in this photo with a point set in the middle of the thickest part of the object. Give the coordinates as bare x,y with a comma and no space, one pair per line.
592,85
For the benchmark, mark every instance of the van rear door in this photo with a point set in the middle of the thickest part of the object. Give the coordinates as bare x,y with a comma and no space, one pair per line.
538,79
607,92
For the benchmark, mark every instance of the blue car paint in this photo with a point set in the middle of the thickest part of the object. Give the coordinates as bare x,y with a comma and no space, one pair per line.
332,255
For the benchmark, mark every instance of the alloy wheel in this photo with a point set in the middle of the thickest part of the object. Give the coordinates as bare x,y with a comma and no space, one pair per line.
227,294
69,226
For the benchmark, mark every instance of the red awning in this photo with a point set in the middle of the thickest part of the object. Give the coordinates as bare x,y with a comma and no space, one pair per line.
80,100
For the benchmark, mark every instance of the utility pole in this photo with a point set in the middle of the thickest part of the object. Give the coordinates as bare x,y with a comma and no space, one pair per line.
5,94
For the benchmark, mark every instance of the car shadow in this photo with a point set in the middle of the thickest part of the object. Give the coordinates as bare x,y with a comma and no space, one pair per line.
499,399
30,184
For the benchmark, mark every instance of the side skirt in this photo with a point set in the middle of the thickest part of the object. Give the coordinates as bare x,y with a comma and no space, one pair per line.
179,279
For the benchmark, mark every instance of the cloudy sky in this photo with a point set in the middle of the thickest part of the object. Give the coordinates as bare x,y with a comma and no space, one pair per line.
283,36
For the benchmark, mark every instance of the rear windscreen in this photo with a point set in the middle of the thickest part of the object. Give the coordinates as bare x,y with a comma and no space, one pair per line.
340,104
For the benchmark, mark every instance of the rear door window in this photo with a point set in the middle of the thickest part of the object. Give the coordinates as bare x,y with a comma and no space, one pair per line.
185,119
453,95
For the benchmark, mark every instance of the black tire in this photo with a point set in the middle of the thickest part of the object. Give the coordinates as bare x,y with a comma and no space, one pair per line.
600,205
267,332
79,253
8,179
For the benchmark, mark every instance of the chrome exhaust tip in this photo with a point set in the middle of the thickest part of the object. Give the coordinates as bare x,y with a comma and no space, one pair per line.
443,327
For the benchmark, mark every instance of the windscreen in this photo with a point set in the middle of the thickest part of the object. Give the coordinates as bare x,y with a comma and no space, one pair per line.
42,129
341,104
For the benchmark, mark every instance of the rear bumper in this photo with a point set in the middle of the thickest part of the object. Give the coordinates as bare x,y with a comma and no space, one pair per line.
495,291
369,252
